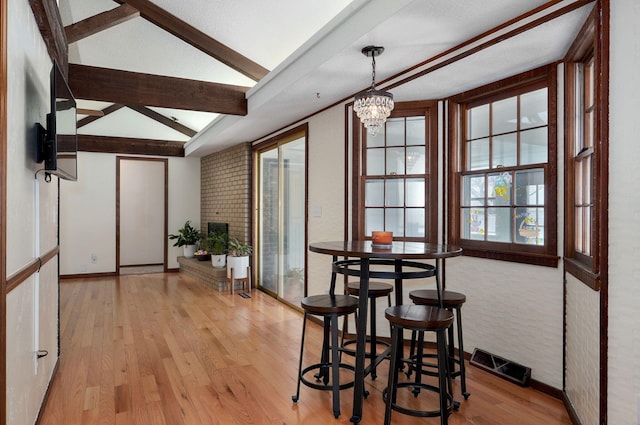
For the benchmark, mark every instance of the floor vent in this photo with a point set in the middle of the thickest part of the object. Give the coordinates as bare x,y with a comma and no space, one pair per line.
506,369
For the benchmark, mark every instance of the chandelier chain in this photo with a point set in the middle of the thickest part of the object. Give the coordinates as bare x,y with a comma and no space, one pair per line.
373,72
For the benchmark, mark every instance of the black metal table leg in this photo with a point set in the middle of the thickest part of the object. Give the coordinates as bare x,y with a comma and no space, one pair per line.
361,339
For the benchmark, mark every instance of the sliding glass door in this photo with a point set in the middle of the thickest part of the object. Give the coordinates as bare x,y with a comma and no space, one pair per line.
281,218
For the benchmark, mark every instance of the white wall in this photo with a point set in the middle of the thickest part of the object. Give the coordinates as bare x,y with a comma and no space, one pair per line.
32,307
583,350
326,191
624,204
88,211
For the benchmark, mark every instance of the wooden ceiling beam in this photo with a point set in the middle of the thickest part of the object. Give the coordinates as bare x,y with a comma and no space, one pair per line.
49,22
163,120
129,146
106,111
132,88
100,22
198,39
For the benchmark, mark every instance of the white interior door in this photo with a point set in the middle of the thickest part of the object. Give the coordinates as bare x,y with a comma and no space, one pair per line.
142,209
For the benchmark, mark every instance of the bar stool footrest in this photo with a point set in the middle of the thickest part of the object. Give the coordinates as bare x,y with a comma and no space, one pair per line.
411,362
367,354
317,377
451,403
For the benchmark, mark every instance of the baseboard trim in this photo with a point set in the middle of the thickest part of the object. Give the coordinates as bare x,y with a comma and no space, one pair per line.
87,275
573,415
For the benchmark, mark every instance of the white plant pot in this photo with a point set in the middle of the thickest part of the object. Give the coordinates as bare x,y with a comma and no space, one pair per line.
239,266
218,261
189,250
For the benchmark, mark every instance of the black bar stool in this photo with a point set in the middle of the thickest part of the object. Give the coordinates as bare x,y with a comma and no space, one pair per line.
330,307
376,290
450,301
419,318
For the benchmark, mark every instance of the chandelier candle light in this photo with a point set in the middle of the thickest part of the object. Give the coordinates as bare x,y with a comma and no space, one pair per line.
373,106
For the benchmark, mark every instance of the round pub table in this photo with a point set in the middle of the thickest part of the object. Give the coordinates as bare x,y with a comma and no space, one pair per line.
403,256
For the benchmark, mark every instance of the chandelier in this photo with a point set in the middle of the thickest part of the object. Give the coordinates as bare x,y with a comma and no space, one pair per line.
373,106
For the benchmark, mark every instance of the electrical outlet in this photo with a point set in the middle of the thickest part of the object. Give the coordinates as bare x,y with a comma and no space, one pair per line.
83,268
94,258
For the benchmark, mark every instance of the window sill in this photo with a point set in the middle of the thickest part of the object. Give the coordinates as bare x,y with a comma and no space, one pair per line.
516,257
582,273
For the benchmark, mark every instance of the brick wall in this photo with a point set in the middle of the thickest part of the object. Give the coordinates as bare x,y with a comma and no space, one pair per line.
225,190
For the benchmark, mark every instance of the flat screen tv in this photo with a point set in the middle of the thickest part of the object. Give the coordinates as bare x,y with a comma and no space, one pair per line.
58,145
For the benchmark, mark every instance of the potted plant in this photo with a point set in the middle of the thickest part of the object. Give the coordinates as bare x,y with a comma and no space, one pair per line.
216,244
238,258
187,237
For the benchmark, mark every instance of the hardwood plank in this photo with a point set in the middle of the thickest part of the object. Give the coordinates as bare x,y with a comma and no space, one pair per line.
177,352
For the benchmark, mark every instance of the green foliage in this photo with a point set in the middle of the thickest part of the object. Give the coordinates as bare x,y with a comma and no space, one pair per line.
215,243
238,249
187,235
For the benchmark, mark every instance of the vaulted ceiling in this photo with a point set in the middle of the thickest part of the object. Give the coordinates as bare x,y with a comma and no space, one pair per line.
212,73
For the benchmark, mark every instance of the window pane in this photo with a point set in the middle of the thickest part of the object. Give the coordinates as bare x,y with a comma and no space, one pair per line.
533,109
504,118
533,146
499,187
588,83
415,223
586,244
588,129
499,224
529,187
374,193
586,180
373,220
395,221
478,154
377,140
415,193
478,122
415,131
375,162
505,151
394,196
579,165
395,161
473,223
415,160
579,241
395,132
530,225
473,191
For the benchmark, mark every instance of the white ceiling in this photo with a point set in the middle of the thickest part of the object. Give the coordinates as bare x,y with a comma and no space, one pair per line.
313,51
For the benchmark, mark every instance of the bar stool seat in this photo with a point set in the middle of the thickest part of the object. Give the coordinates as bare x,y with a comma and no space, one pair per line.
450,301
330,308
419,318
376,290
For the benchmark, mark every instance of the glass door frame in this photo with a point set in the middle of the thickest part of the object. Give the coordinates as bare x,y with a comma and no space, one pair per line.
262,147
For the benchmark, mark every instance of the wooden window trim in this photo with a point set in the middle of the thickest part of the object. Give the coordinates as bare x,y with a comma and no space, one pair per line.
428,108
537,255
587,269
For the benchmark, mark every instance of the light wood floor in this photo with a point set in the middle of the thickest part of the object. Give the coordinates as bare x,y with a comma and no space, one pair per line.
164,349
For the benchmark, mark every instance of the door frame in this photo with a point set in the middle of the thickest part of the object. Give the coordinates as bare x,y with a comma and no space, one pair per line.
271,143
165,249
